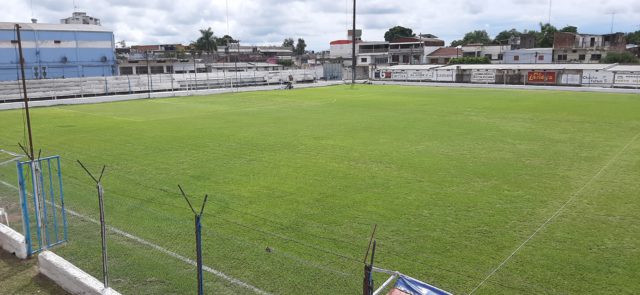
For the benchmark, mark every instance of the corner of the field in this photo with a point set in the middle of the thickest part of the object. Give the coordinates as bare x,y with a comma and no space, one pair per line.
69,277
12,242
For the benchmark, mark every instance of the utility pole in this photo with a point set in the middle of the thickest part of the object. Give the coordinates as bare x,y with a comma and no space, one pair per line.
148,75
24,92
353,49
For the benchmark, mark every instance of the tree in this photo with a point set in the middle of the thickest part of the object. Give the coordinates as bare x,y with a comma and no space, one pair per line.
633,37
225,40
620,57
207,41
288,42
544,38
475,37
505,36
300,47
398,32
569,29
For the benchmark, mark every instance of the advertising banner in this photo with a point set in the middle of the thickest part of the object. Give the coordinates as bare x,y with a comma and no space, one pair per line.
536,77
483,77
596,77
632,80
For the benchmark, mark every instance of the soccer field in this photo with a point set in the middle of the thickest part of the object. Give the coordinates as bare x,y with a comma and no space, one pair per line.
506,191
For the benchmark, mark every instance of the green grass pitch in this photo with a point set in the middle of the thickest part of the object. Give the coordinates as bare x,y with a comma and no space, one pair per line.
455,179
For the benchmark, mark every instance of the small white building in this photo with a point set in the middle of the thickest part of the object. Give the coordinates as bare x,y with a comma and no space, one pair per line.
528,56
81,18
494,53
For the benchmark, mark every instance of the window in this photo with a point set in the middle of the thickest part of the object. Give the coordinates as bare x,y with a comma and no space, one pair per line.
405,59
516,57
446,60
364,59
14,41
500,56
57,41
562,57
582,57
593,42
142,70
395,58
540,57
169,69
596,56
157,70
489,56
381,60
433,60
126,71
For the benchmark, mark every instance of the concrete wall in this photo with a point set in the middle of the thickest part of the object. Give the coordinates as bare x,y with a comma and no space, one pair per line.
12,242
70,277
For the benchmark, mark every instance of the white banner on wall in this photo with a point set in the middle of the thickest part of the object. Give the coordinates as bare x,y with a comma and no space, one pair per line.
596,77
628,79
570,79
483,76
445,76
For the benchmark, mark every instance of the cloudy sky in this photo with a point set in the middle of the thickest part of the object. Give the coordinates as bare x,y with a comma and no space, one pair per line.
262,22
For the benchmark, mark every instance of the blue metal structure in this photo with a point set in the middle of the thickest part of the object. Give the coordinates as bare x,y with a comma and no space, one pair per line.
42,201
57,51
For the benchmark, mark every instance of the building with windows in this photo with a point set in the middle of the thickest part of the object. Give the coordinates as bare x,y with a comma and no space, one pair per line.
373,53
585,48
493,52
528,56
80,18
413,50
57,51
443,55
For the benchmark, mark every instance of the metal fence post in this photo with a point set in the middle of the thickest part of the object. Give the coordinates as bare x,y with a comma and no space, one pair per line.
198,232
103,226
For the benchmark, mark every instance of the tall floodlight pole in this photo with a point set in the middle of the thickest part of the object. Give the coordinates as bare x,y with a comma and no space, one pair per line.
103,226
198,231
549,19
353,48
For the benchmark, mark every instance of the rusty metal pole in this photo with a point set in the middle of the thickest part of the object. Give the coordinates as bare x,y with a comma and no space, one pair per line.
24,92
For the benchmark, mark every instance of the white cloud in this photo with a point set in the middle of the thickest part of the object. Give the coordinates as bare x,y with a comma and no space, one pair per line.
320,21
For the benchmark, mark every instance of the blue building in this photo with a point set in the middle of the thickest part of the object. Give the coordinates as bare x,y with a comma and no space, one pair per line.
57,51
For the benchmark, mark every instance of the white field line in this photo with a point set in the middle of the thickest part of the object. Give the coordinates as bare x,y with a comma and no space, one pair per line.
543,225
162,250
11,160
10,153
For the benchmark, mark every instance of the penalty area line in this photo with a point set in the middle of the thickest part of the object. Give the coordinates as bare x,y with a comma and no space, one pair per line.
544,224
161,249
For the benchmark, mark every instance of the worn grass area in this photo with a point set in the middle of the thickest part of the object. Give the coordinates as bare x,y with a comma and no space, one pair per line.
21,277
456,180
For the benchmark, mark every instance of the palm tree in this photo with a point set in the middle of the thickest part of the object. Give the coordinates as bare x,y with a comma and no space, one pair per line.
207,41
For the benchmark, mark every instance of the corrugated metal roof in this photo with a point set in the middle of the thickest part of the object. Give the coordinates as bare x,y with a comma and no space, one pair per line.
54,27
532,67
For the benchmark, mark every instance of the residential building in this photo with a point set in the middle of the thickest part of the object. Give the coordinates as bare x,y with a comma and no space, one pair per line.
57,51
373,53
80,18
586,48
493,52
443,55
413,50
528,56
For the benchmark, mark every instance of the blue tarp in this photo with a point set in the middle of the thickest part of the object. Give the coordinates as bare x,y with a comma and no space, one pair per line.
412,286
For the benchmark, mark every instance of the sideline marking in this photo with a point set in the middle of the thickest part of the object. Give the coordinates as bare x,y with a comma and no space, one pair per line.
160,249
573,196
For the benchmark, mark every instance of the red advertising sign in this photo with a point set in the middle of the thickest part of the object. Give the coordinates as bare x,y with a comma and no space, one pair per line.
541,77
